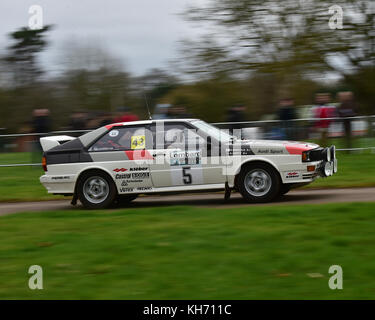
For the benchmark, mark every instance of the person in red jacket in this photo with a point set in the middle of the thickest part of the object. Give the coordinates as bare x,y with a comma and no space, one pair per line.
323,111
124,114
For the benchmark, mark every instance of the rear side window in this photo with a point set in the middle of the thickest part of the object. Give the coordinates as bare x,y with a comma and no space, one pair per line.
124,138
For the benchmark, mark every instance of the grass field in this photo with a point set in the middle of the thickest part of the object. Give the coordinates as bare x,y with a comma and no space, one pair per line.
188,253
22,183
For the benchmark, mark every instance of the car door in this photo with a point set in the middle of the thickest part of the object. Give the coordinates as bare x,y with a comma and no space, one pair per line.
125,152
175,162
213,164
182,156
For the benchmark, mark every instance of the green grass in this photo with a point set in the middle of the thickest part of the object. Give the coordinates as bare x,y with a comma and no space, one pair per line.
22,183
191,253
354,170
340,143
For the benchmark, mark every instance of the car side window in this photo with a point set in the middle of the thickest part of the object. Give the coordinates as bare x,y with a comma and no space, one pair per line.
124,138
176,135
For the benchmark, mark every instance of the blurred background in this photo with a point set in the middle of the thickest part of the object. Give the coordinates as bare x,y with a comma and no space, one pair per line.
279,68
293,70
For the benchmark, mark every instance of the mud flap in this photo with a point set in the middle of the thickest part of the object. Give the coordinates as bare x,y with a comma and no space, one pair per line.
74,199
227,191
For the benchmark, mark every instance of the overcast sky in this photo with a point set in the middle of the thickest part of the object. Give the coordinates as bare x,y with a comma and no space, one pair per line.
144,34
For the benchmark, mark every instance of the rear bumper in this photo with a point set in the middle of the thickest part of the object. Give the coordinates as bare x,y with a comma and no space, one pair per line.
62,184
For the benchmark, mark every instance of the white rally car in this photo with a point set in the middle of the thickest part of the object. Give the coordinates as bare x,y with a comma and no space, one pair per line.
118,162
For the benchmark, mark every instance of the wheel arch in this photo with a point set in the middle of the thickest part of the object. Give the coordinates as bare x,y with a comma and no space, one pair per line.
93,168
252,162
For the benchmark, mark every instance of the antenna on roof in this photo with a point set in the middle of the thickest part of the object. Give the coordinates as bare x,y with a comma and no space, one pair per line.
148,109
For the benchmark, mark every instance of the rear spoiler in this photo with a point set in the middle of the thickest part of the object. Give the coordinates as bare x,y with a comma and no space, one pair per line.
51,142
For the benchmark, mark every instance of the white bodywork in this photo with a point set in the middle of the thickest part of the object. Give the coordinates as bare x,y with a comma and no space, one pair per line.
51,142
172,169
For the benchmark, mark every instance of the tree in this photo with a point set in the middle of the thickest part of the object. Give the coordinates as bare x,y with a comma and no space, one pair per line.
93,78
286,36
22,55
101,89
153,85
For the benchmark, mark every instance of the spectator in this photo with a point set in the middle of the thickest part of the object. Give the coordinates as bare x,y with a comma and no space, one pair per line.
178,112
41,122
124,114
347,108
285,114
78,121
104,119
323,111
236,114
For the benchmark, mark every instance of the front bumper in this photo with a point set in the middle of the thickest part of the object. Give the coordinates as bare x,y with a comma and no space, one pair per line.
328,168
299,173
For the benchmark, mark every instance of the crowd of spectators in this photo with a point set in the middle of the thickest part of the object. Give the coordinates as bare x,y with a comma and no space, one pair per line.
319,118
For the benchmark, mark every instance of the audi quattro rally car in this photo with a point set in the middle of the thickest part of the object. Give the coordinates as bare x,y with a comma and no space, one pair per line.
118,162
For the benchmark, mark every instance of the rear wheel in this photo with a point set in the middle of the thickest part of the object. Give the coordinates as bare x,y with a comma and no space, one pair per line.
96,190
259,182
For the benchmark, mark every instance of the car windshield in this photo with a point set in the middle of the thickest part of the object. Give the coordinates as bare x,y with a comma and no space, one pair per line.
212,131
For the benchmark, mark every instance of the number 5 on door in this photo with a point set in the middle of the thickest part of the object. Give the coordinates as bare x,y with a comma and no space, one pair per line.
186,175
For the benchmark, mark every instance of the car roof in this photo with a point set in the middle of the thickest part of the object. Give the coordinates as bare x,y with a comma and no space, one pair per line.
142,122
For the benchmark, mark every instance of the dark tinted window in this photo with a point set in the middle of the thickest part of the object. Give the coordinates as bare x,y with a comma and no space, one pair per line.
124,138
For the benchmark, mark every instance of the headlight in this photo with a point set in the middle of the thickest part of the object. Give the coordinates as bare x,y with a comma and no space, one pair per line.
332,150
305,156
314,155
334,165
328,169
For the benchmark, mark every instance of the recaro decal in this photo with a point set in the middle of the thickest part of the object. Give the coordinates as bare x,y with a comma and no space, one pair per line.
292,175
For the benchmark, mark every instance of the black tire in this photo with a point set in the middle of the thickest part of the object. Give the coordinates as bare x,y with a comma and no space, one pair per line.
106,183
285,188
267,191
123,199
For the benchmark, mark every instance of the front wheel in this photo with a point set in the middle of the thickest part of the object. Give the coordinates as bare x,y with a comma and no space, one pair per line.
96,190
259,182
